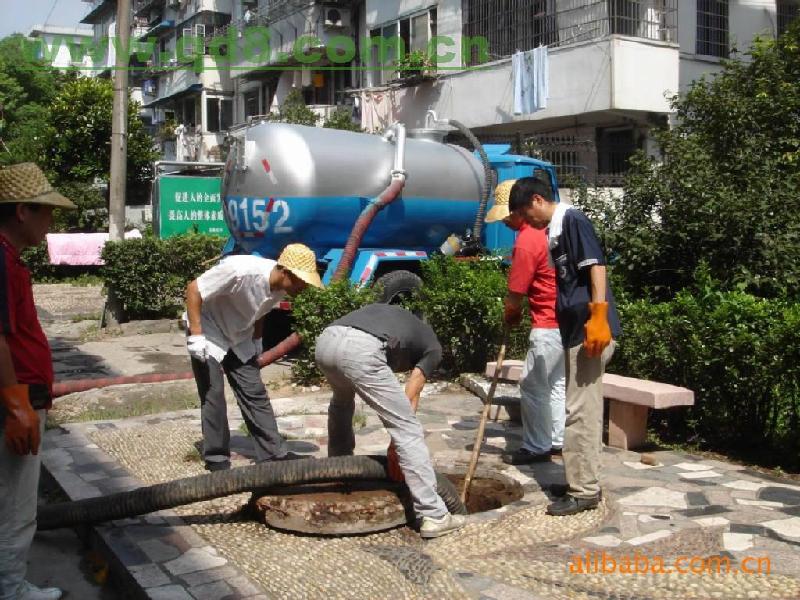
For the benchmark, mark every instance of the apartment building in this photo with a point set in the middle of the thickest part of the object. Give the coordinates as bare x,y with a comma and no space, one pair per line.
54,47
611,67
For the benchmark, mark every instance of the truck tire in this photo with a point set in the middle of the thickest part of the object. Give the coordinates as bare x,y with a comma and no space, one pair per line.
397,285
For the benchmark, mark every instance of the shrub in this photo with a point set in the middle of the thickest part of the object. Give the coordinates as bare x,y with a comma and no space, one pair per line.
315,309
149,275
38,263
463,303
738,353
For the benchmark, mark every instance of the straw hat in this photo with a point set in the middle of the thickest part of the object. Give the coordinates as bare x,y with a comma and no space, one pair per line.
25,183
302,262
500,209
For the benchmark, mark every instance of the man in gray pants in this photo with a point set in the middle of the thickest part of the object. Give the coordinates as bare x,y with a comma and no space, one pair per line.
225,310
359,354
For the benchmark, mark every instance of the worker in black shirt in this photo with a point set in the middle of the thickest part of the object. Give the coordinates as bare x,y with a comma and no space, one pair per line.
589,324
359,354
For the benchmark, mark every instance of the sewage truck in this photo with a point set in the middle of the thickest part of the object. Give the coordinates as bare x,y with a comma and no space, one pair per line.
286,183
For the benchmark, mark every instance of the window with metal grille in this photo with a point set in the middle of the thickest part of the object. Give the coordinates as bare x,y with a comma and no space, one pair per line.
787,12
712,28
508,26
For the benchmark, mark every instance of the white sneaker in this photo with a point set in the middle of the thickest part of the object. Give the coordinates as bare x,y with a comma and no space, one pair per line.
28,591
433,528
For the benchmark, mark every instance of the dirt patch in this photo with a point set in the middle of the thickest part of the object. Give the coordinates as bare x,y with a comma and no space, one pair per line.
488,493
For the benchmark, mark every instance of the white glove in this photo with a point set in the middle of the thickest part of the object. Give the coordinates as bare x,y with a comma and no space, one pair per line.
197,345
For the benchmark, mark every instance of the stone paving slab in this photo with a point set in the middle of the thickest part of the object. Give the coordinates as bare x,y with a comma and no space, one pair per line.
210,549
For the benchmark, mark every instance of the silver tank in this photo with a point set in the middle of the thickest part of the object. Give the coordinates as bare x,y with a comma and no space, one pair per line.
325,177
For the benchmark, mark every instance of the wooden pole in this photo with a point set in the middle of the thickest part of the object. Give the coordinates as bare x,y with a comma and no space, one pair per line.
487,407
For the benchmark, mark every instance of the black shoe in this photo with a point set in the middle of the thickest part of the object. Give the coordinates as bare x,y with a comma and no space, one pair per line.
218,466
555,452
525,457
570,505
558,489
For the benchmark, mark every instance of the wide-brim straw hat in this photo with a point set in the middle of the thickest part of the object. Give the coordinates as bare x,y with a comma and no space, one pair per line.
501,195
301,261
25,183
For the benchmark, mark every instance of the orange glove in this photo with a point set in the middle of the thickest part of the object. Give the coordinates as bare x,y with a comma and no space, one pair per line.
598,333
392,465
512,315
22,422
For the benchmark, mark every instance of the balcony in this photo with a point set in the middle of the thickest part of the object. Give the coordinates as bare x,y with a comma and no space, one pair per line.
142,7
524,25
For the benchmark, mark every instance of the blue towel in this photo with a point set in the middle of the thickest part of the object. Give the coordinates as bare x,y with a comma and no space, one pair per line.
531,76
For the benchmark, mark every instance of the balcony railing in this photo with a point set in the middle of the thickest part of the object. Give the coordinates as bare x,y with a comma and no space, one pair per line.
511,25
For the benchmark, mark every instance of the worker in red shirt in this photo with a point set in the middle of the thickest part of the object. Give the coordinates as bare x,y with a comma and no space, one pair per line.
542,386
26,373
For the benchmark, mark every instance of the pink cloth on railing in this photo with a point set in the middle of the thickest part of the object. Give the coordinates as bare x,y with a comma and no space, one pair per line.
79,248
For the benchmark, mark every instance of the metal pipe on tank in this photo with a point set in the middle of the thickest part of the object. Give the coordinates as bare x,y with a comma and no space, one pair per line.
397,133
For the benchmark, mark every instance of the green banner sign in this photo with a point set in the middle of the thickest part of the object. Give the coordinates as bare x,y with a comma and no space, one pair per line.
188,204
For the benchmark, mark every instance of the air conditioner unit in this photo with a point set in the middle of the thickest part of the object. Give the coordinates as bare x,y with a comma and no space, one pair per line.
336,18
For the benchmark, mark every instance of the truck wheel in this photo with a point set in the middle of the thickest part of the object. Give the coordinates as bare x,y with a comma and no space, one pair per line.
397,285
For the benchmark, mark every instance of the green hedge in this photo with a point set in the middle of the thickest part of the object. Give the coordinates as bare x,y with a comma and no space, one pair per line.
150,275
462,300
315,309
740,355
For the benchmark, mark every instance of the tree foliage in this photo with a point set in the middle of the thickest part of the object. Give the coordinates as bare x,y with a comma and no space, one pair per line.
80,118
726,190
27,86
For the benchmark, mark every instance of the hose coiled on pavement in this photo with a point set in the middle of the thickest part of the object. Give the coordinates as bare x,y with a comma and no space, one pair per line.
224,483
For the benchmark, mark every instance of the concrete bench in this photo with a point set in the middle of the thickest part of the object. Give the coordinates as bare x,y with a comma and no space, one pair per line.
629,402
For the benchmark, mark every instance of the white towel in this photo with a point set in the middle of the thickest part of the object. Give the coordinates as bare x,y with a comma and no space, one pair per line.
531,73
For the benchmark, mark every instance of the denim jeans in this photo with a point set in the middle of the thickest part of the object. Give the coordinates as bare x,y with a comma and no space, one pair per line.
19,483
542,390
354,362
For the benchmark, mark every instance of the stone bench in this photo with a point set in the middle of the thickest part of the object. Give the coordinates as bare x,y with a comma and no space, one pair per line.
629,402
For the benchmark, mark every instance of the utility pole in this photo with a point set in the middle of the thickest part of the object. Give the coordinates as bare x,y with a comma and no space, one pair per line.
112,314
119,125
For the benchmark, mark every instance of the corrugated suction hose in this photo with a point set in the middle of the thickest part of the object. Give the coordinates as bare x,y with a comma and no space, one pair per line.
224,483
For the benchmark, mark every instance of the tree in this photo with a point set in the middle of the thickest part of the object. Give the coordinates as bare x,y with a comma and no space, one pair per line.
294,110
726,189
342,118
80,119
27,86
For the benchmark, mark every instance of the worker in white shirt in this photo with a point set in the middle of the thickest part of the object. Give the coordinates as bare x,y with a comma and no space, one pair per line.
225,310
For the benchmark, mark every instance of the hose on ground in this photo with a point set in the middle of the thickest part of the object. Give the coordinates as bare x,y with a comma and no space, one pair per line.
488,183
62,388
224,483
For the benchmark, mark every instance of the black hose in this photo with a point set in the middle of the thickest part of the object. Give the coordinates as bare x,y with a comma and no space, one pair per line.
488,183
224,483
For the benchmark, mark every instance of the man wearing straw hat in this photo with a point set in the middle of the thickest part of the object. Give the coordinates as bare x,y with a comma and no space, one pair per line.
225,310
26,372
542,386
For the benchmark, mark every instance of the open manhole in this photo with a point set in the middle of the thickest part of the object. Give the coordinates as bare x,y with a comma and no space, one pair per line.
488,490
359,507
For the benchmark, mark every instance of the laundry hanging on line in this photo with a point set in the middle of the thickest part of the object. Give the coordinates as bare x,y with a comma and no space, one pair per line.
531,74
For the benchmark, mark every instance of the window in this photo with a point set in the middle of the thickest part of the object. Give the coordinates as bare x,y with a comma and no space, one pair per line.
712,28
219,114
405,35
614,150
509,25
787,12
251,104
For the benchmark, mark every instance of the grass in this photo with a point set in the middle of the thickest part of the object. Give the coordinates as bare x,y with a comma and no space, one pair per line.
85,317
125,404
